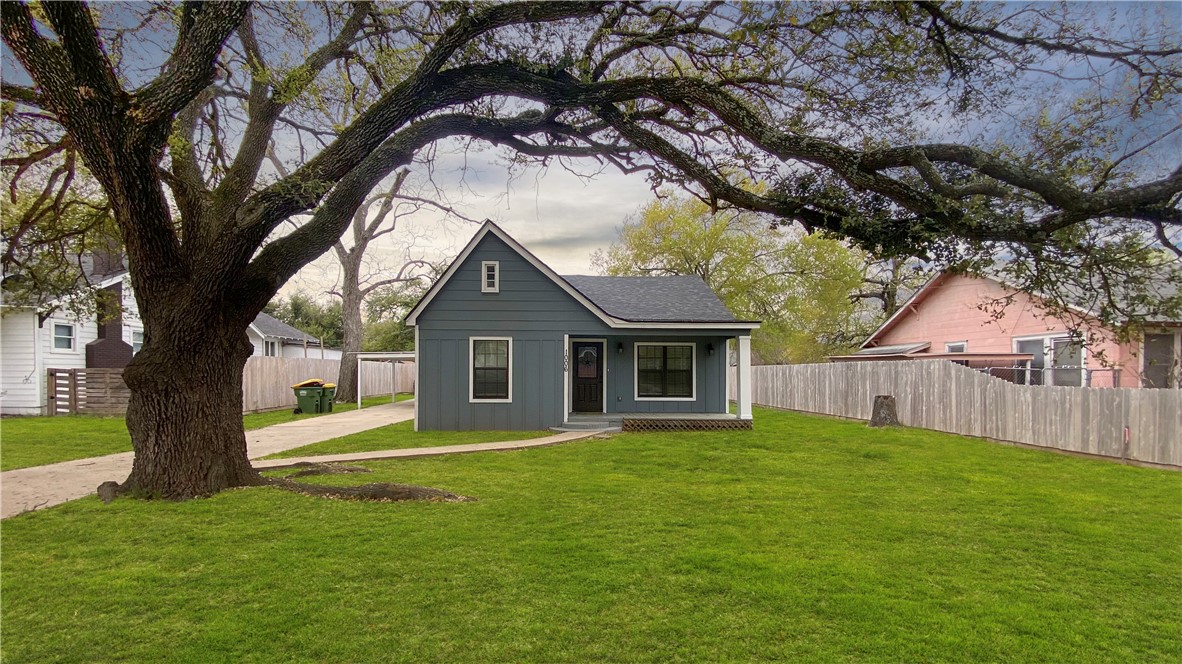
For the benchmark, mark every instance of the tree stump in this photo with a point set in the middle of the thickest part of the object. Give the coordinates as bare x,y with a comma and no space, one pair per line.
884,413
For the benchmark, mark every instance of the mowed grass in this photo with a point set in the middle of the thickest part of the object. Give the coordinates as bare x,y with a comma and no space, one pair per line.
403,436
36,441
808,539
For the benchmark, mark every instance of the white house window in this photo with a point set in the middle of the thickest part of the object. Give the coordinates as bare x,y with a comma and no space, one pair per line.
137,341
956,347
490,369
271,348
63,336
490,277
665,371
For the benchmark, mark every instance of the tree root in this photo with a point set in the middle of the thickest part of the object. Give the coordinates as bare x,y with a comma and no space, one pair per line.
312,468
378,492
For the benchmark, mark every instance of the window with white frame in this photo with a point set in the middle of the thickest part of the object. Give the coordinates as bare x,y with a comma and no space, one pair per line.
271,348
490,367
63,336
956,347
1056,359
137,341
665,371
490,277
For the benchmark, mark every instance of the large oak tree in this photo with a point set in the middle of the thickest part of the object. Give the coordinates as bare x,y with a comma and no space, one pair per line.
843,108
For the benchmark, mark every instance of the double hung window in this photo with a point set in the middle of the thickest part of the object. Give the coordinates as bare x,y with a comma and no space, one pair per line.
665,371
491,369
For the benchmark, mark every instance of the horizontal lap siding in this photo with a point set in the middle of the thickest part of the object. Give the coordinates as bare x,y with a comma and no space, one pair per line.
20,393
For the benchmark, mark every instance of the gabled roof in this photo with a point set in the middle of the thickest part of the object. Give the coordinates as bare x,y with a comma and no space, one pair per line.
269,326
1165,289
648,299
916,297
610,296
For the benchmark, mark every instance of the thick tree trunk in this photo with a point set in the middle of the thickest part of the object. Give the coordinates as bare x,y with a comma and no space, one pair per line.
353,330
185,415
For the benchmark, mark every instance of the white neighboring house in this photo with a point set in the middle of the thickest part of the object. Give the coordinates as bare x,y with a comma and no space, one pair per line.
31,343
274,338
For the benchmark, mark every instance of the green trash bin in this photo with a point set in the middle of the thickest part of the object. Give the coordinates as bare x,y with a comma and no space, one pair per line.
308,394
326,395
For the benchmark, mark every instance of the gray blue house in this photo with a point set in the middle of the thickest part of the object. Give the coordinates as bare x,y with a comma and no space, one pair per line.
503,342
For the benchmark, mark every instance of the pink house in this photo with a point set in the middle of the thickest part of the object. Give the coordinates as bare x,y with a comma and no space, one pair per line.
954,317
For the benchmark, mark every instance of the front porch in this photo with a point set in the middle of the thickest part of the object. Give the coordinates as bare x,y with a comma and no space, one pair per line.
616,422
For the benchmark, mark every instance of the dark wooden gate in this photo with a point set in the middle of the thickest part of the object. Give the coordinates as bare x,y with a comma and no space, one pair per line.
86,392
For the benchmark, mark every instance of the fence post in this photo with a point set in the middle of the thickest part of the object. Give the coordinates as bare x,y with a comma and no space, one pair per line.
51,392
73,391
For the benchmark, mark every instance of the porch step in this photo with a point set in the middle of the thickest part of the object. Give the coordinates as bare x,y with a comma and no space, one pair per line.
588,425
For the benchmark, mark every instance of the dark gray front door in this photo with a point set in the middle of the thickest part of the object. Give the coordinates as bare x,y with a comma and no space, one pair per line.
588,377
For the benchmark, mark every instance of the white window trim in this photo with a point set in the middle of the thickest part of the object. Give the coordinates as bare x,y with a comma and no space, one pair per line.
267,343
484,287
53,337
949,344
472,367
636,370
1048,352
132,344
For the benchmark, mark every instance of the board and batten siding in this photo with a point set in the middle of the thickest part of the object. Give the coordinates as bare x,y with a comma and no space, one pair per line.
944,396
531,309
710,375
538,315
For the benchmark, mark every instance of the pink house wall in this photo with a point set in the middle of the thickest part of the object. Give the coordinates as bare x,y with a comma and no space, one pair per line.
958,308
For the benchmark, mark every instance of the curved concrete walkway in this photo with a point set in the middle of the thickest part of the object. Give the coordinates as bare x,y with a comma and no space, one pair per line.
416,452
28,489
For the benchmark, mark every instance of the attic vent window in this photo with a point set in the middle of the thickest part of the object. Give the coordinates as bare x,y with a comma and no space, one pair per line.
490,277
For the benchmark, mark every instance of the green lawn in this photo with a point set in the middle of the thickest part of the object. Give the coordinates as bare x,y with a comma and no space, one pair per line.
808,539
402,436
35,441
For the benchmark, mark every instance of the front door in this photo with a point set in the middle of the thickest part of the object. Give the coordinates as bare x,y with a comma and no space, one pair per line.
588,376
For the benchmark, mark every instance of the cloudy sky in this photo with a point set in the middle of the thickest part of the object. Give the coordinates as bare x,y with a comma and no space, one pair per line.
560,216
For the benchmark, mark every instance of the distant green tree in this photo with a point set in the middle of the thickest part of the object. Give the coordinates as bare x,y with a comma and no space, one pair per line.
385,309
322,321
799,286
50,233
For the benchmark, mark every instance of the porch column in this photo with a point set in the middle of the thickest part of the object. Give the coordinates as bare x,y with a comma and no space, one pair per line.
743,382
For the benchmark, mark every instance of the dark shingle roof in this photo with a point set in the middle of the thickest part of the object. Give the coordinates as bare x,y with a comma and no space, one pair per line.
273,327
682,299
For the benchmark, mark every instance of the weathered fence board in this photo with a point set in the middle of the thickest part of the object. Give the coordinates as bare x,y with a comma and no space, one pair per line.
266,384
86,392
267,381
944,396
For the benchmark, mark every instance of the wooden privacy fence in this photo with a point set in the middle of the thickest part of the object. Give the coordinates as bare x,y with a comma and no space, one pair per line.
267,381
86,392
1127,423
266,384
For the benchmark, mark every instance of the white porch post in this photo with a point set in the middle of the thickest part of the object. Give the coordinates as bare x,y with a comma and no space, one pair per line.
743,386
358,379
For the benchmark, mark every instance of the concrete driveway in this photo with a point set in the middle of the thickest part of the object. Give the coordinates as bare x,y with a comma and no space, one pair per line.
34,488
